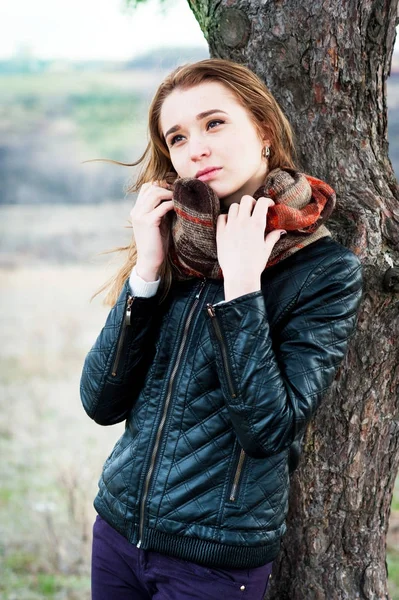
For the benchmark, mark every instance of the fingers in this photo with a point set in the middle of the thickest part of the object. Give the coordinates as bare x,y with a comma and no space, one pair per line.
245,207
273,237
256,211
261,209
163,208
262,205
158,183
151,195
250,207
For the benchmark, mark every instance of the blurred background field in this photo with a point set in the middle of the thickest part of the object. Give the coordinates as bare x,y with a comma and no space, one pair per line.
56,216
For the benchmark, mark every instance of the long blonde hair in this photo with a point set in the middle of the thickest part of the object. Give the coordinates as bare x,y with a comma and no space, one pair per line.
251,93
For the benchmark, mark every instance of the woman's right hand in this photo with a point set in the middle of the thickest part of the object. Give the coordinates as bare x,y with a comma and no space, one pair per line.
153,202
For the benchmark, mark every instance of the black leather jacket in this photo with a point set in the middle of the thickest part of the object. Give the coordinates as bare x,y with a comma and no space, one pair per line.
215,399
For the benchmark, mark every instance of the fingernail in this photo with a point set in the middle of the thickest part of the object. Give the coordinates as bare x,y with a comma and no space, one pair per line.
282,233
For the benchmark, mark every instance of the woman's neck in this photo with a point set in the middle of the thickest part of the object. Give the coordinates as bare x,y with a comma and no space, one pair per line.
247,189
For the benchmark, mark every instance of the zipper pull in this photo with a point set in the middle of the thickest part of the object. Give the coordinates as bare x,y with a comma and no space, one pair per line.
233,493
198,294
128,313
211,310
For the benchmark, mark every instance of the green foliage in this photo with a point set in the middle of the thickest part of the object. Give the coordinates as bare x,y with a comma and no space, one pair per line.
104,115
395,496
393,574
168,58
46,584
26,586
104,120
19,561
133,4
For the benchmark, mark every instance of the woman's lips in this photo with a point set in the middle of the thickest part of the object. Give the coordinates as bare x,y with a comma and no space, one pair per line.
209,174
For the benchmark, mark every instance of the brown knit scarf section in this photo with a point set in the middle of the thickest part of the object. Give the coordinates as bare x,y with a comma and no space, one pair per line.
302,204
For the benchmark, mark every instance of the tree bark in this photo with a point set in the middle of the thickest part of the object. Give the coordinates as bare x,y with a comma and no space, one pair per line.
327,63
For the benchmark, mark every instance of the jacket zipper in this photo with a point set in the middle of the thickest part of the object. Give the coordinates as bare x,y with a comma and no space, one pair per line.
219,335
126,323
234,488
164,414
216,326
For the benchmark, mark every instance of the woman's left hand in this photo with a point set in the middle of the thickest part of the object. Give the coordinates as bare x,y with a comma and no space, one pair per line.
242,248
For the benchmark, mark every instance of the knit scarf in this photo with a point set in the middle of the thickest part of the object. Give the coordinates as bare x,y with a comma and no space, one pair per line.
302,204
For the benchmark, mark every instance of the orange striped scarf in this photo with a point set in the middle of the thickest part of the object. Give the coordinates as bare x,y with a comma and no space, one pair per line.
302,204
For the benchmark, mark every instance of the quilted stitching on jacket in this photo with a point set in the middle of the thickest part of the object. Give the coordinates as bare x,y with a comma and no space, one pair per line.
283,346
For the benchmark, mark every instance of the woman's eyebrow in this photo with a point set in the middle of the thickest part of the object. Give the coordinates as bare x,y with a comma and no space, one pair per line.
200,116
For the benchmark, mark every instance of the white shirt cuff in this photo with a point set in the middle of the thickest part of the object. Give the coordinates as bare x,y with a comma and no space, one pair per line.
139,287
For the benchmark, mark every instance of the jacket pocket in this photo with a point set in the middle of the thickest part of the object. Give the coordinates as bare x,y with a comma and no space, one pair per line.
234,487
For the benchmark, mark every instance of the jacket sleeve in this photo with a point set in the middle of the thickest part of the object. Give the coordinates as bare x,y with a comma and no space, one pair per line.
272,390
116,365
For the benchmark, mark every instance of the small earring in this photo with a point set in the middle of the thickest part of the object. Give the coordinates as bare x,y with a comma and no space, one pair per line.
266,152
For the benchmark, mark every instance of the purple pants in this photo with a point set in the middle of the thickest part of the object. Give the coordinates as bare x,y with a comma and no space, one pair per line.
121,571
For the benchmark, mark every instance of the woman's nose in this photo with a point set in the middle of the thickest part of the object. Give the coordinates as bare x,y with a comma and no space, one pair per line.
198,150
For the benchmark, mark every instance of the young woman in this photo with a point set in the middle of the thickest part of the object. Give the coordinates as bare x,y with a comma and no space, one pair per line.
223,337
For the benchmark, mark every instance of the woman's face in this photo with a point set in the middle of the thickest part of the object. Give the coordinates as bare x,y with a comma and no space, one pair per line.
210,136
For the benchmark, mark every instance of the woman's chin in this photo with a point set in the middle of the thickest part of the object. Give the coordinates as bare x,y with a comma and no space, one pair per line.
218,189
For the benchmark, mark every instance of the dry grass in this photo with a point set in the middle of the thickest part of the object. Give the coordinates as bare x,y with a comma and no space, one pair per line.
54,452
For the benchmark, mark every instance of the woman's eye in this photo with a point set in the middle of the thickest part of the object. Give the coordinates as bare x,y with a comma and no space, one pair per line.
214,123
175,138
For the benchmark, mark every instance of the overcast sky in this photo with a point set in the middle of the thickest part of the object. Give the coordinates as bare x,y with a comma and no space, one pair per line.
94,29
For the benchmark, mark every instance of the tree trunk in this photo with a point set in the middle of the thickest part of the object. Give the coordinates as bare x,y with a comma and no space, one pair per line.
327,63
